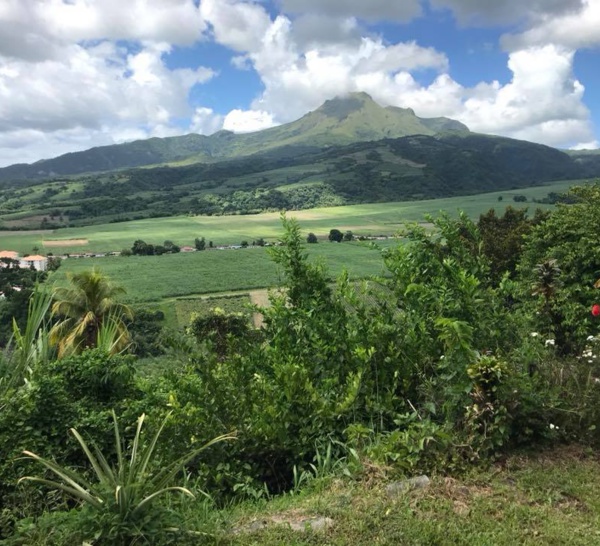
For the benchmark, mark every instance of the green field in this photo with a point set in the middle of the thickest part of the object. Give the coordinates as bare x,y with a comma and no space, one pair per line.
157,278
381,218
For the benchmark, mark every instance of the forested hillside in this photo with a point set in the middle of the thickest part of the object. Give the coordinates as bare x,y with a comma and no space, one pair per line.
408,168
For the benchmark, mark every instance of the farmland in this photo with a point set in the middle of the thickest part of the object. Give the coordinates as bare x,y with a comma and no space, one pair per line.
157,278
367,219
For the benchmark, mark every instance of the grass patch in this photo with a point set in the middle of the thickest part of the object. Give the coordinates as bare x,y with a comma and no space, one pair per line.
373,219
157,278
548,498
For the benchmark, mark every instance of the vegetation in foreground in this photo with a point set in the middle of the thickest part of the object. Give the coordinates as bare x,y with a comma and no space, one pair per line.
479,343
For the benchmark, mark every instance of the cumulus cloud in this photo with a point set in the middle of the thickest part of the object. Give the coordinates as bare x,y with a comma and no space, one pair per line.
507,11
314,30
543,101
247,121
576,29
372,10
206,121
93,86
238,25
78,74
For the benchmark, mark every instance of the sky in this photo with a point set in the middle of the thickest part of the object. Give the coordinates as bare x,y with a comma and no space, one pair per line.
81,73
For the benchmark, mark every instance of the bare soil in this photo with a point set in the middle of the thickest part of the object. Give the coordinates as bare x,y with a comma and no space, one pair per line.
66,242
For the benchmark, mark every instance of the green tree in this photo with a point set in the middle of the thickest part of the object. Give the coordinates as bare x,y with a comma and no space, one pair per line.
171,247
311,238
348,236
85,307
503,238
200,244
336,235
567,241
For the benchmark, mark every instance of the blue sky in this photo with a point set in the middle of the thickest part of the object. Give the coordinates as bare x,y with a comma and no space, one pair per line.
81,73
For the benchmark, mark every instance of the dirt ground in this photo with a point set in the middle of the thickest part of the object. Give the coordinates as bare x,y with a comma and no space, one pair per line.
259,297
66,242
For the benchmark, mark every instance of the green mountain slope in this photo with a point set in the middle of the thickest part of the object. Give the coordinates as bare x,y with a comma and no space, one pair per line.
340,121
296,177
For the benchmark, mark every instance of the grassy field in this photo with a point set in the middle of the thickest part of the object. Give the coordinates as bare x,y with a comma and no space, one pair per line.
550,498
157,278
374,219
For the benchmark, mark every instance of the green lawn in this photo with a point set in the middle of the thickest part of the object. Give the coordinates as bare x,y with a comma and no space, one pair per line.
156,278
550,498
381,218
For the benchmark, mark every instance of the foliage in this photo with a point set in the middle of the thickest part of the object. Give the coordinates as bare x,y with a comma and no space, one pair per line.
17,285
218,328
335,235
568,240
145,330
503,237
200,244
124,498
91,313
28,348
311,238
444,361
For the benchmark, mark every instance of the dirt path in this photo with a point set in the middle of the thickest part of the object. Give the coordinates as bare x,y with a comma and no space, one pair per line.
261,298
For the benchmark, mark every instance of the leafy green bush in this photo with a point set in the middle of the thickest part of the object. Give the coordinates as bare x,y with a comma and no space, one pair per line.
121,507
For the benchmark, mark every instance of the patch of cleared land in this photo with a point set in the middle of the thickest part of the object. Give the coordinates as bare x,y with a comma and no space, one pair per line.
65,243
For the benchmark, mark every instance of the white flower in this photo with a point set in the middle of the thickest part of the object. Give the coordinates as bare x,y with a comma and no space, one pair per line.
552,427
591,338
534,334
549,342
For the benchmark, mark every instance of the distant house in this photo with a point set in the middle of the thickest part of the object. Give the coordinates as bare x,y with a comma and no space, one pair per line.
10,254
40,263
188,249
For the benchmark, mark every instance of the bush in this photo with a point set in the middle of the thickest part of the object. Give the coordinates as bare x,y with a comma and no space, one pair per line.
336,235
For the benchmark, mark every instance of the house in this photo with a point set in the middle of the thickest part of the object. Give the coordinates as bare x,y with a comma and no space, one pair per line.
40,263
188,249
8,255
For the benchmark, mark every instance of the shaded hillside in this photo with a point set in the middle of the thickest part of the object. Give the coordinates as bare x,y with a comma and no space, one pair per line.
408,168
340,121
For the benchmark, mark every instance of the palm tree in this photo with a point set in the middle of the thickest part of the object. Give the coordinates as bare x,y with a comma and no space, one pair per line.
89,308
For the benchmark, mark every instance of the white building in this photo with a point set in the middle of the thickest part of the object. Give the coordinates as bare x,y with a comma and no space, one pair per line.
40,263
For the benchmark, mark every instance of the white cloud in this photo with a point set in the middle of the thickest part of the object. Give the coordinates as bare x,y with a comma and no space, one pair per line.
543,102
65,74
592,145
206,122
238,25
370,10
94,86
574,30
481,12
314,29
247,121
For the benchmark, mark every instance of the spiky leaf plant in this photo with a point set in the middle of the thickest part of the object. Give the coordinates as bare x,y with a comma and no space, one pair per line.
122,498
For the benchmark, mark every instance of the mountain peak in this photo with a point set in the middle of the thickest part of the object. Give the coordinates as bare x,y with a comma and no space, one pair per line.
342,106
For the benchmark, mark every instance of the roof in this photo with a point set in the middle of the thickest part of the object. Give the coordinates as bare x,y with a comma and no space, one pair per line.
35,258
9,254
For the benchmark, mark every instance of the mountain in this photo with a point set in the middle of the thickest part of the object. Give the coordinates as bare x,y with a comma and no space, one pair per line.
340,121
